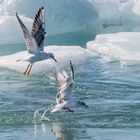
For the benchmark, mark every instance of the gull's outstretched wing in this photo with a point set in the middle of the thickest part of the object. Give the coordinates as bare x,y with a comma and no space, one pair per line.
29,40
71,71
38,29
61,78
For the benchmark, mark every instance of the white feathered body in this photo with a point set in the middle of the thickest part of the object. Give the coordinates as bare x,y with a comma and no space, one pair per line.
39,56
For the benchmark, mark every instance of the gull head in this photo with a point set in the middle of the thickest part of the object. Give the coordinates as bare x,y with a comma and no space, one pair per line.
51,56
53,109
58,107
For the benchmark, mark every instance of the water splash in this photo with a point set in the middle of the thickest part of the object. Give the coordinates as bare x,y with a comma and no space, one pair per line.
41,115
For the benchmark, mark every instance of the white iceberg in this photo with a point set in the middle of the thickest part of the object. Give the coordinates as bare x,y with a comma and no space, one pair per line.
122,46
61,16
97,16
63,54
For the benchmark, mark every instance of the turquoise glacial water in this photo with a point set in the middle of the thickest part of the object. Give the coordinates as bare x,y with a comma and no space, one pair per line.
111,90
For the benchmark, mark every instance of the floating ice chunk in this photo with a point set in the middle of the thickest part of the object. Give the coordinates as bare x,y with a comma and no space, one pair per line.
123,45
63,54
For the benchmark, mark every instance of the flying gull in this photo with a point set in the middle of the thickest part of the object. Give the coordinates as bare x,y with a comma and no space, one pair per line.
64,97
35,41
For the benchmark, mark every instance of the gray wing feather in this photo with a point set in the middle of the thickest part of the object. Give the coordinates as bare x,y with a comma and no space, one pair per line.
38,29
29,41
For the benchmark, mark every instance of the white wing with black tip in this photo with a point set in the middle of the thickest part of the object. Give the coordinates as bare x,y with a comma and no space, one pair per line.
29,40
38,29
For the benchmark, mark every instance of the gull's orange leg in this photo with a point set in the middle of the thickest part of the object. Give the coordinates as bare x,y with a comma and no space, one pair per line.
29,69
26,70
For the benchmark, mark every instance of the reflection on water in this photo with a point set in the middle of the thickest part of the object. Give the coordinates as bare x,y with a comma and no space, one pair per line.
41,130
59,130
62,131
65,131
70,131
